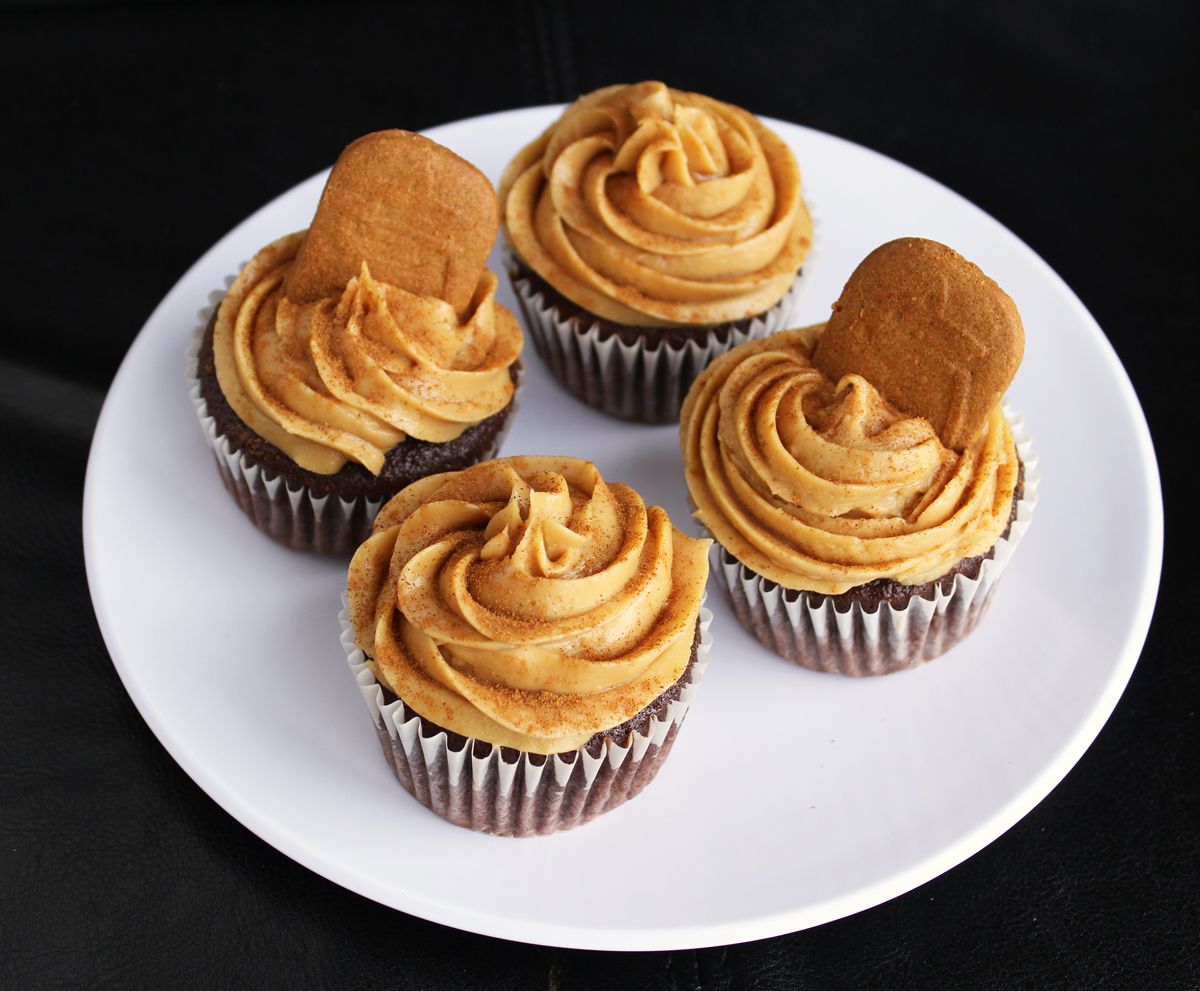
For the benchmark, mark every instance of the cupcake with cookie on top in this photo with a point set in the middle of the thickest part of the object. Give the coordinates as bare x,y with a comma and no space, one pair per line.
864,483
651,229
351,359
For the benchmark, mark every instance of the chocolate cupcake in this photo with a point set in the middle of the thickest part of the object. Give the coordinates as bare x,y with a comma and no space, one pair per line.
528,639
349,360
650,230
854,533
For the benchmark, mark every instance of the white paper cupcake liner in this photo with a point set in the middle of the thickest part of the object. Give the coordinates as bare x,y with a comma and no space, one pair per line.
508,792
644,380
807,628
291,513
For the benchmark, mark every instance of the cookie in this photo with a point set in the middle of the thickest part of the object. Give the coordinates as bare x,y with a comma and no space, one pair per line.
421,217
930,331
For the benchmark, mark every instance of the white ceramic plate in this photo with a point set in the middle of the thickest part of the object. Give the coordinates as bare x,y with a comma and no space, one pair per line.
858,790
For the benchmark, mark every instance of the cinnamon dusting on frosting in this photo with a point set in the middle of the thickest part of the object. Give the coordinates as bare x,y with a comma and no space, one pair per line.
526,602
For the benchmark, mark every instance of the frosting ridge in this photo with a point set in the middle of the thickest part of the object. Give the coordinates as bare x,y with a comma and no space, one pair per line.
347,378
526,602
823,486
652,206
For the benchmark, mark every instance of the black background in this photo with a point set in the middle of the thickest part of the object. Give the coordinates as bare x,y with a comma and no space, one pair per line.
135,135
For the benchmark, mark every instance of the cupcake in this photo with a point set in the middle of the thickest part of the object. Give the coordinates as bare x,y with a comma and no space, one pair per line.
528,638
650,230
864,484
349,360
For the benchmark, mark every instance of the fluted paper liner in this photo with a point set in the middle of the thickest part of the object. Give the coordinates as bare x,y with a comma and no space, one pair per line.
806,628
508,792
295,516
644,380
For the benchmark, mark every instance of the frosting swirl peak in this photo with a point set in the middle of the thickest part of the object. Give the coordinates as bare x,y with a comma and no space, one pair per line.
650,206
526,602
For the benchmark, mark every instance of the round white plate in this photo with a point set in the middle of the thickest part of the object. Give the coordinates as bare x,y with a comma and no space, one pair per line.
848,792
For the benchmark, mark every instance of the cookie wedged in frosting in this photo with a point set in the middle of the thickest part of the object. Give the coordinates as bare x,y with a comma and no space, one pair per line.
824,486
525,602
348,359
861,477
348,377
649,206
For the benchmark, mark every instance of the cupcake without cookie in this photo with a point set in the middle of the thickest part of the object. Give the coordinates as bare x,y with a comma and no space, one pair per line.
850,536
344,363
651,229
528,639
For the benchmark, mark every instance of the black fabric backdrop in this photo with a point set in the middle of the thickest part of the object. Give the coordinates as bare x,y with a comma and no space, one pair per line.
136,135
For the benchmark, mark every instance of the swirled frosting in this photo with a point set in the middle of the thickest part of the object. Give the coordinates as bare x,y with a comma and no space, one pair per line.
349,378
651,207
526,602
823,486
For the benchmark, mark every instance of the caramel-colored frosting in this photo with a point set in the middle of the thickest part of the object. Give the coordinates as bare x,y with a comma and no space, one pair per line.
823,486
349,378
650,206
526,602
